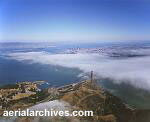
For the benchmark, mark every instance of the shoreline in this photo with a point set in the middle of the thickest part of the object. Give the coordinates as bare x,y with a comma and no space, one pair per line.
87,95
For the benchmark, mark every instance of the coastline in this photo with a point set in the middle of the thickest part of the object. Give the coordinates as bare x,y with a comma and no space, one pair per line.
87,95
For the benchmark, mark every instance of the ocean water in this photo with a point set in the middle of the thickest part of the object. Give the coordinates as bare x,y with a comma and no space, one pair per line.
12,71
121,68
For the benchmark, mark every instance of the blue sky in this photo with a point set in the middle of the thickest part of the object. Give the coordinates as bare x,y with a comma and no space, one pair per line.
74,20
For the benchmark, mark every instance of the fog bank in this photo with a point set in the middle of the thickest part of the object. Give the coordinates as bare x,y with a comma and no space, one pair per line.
132,70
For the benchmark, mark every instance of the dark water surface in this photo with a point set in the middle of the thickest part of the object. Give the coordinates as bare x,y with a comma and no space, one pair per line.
12,71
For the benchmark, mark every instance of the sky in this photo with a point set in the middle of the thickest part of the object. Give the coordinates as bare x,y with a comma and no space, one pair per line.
74,20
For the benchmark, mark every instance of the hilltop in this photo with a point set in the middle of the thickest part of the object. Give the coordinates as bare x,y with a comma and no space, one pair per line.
87,95
106,107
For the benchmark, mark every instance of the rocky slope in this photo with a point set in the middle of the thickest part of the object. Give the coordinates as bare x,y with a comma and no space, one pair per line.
87,95
106,107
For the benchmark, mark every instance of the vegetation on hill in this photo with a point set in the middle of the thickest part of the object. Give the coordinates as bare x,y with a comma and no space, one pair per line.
85,95
106,107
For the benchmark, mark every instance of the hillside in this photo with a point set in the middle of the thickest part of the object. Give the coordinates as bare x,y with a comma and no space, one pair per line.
106,107
86,95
